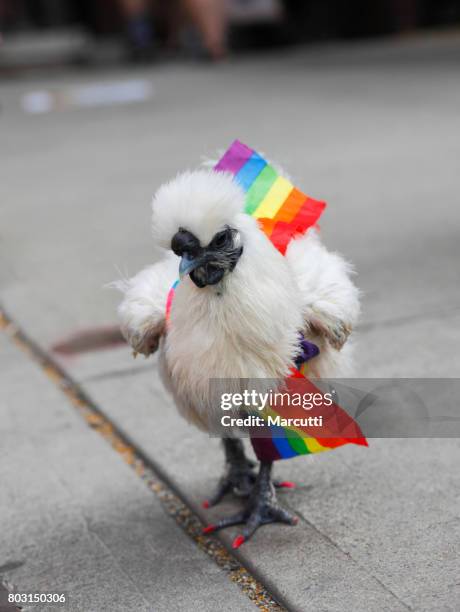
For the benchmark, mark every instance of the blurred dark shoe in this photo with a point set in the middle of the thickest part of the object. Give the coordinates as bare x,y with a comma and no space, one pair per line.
140,39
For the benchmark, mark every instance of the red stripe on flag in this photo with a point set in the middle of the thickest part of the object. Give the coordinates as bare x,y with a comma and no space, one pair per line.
308,215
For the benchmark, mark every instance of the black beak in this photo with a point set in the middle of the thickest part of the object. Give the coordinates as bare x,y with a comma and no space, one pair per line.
202,269
206,265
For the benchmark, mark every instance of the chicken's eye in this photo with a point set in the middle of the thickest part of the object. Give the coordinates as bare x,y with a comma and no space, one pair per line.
184,242
221,239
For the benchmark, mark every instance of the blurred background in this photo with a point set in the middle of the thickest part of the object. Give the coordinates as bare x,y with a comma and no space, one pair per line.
101,101
92,31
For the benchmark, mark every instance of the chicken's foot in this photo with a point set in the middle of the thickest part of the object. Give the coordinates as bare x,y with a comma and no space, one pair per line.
262,508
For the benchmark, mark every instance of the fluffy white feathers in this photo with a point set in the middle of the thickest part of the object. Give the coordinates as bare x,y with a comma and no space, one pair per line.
142,311
330,300
201,202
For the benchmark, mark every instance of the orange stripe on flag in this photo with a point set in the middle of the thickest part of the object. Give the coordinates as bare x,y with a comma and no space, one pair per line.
267,225
291,206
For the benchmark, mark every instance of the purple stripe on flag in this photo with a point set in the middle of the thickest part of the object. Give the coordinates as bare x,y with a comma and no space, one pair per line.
235,158
265,449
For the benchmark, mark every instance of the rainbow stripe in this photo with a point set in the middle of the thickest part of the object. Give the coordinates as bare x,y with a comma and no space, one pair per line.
282,210
285,443
169,301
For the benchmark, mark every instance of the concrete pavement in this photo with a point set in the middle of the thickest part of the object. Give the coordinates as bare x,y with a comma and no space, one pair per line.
373,129
76,522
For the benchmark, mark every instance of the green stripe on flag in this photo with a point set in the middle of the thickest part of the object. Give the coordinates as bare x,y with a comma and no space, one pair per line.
296,443
259,188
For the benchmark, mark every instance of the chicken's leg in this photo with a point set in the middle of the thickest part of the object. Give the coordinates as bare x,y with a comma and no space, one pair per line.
262,508
239,476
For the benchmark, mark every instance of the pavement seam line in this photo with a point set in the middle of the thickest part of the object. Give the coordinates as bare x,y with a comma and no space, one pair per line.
172,502
350,557
128,371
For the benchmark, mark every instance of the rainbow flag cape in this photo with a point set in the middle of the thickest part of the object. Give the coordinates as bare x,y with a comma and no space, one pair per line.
274,442
282,210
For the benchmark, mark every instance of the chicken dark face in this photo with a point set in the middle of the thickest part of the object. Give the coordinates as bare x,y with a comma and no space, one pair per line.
206,265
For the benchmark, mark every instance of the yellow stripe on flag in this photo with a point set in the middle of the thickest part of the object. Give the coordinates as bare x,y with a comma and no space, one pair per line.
314,446
274,199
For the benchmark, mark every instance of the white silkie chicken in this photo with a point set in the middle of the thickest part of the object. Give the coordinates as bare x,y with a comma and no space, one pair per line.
236,314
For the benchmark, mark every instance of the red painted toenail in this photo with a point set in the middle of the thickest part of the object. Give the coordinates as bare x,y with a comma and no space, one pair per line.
209,529
205,504
287,484
238,541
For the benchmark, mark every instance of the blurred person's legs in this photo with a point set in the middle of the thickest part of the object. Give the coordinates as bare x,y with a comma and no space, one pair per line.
405,14
11,13
2,18
138,26
172,19
210,18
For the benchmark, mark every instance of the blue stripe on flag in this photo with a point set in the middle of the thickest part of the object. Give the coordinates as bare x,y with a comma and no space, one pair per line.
282,443
250,171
